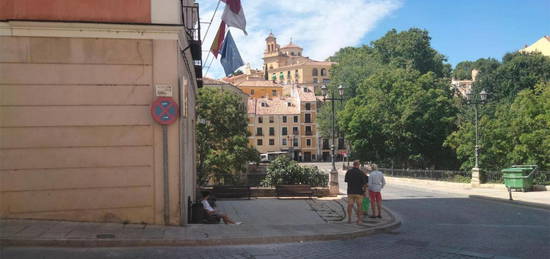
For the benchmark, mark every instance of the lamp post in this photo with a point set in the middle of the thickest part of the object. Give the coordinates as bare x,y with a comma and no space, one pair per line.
473,100
334,188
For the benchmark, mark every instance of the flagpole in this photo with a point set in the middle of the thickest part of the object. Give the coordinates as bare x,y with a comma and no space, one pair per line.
211,19
208,29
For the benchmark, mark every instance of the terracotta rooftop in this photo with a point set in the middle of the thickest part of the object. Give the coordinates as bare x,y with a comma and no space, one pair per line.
306,94
267,106
212,81
253,74
257,82
309,62
291,45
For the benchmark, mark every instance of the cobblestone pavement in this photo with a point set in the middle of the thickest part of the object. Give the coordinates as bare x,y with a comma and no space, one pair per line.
329,210
383,246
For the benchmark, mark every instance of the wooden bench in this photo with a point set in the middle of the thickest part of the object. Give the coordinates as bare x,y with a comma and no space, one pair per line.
293,190
231,191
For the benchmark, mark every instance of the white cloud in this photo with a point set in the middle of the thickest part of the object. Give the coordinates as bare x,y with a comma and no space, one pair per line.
321,27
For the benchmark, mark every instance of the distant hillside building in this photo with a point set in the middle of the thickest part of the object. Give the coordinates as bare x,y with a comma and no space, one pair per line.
464,87
542,45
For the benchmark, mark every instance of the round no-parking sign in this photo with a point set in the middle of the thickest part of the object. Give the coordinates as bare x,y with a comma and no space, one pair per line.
164,110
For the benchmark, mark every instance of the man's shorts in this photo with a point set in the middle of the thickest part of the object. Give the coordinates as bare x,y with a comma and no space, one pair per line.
375,196
355,198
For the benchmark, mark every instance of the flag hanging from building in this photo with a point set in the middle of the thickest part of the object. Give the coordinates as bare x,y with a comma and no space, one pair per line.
230,57
218,40
233,15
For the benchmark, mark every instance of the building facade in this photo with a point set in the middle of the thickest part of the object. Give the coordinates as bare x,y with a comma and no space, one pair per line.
77,140
286,65
542,45
286,123
226,87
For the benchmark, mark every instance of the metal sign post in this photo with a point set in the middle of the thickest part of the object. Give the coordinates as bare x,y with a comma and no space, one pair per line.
165,111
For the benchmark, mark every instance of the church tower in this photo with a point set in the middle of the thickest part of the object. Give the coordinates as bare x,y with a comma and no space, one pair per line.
272,48
272,53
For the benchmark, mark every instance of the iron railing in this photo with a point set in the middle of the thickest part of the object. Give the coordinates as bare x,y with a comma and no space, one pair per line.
439,175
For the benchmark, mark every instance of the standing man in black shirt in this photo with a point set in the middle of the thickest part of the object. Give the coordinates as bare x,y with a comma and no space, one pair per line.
357,181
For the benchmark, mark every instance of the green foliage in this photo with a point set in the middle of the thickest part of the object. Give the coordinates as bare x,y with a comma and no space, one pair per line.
285,171
400,108
515,133
222,137
410,50
463,70
400,117
517,71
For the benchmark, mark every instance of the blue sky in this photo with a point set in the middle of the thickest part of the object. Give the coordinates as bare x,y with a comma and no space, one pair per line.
460,29
471,29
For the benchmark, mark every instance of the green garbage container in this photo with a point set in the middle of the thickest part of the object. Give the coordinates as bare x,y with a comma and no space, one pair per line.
519,177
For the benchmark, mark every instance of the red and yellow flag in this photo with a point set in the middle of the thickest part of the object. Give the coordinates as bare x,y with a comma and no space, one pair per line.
218,40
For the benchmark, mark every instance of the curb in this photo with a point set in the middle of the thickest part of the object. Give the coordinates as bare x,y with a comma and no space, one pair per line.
514,202
394,223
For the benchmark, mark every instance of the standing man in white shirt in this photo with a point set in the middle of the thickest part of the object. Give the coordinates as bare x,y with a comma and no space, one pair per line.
375,185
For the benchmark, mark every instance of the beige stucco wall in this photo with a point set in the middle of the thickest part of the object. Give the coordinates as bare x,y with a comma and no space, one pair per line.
77,141
262,91
542,45
277,124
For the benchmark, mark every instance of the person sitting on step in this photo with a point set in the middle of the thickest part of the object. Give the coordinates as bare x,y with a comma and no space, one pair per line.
212,212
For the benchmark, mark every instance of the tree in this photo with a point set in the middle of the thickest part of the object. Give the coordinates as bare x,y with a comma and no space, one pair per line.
517,133
517,71
463,70
400,108
410,49
530,127
222,137
400,117
510,123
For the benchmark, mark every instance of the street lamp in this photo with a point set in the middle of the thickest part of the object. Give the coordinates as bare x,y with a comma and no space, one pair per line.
472,100
334,189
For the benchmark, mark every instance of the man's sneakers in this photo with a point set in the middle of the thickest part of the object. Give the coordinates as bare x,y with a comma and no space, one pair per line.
238,223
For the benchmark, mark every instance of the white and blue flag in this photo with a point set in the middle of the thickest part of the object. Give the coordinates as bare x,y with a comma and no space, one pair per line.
230,57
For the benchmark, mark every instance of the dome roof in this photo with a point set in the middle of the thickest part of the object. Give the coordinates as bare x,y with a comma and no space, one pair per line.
291,46
270,36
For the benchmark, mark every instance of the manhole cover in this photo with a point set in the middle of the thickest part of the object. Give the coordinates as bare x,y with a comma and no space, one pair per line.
105,236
